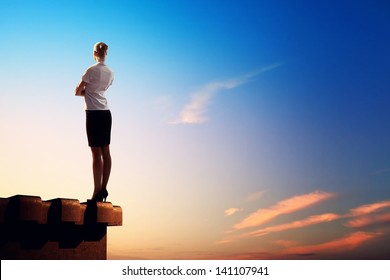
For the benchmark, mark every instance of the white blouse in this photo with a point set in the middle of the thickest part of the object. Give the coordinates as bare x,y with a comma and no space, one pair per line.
99,78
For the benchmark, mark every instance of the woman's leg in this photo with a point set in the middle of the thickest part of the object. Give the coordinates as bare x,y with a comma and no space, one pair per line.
106,165
97,167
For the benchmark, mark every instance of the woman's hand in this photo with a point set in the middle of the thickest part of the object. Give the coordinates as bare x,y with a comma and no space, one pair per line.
80,89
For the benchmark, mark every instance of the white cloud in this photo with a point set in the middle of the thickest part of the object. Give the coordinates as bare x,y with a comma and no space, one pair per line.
195,111
231,211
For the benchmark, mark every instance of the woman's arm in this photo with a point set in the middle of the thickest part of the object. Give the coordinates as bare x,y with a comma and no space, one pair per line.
80,89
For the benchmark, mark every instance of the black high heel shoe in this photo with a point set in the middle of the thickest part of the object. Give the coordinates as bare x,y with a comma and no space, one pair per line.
97,197
103,193
101,196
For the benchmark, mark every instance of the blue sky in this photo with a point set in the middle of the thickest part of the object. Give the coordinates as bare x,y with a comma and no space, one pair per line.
222,109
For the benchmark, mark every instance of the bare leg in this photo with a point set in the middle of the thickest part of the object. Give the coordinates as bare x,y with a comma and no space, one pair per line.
97,167
106,165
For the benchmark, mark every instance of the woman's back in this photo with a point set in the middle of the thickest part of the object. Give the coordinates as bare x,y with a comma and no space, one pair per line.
98,78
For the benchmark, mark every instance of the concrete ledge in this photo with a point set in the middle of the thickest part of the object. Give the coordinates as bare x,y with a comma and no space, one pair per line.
117,217
3,208
59,228
99,212
64,210
25,208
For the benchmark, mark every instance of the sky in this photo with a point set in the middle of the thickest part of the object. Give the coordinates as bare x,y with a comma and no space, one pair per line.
241,129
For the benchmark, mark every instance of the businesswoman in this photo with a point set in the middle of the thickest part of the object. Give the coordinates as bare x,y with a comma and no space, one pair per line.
93,86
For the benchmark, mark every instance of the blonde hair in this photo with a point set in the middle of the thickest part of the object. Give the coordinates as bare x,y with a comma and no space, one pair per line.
100,51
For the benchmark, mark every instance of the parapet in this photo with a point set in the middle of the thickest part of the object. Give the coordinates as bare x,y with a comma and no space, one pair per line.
55,229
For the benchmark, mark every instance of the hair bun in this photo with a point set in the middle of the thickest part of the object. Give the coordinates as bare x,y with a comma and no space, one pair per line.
101,49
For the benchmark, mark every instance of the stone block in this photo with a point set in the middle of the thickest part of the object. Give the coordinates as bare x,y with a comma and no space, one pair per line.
60,228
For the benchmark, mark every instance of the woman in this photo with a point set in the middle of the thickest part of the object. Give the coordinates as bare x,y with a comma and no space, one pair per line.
92,87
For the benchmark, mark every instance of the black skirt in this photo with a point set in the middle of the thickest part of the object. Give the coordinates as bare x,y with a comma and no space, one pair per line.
98,125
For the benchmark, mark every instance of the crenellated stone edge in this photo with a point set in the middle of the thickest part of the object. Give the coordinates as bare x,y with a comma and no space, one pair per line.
32,209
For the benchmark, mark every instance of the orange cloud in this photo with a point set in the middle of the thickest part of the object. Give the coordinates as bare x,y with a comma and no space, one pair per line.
369,220
283,207
348,242
286,243
365,215
359,217
312,220
369,208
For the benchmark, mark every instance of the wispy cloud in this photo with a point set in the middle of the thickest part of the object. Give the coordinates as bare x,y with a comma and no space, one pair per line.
195,111
312,220
231,211
348,242
367,215
369,220
255,196
283,207
370,208
286,243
